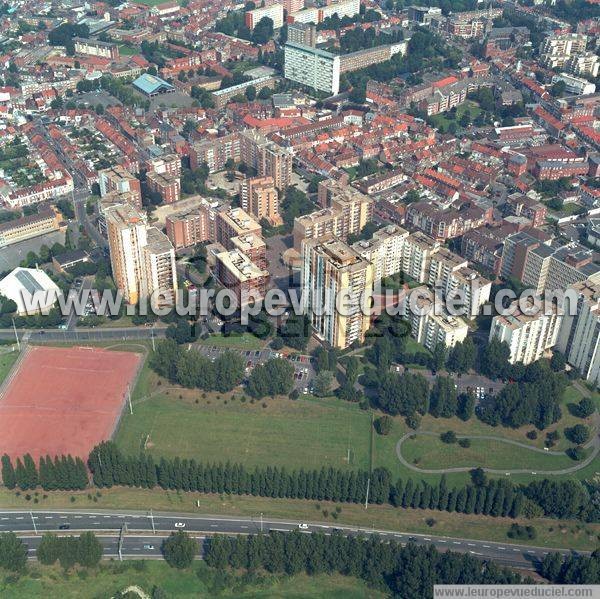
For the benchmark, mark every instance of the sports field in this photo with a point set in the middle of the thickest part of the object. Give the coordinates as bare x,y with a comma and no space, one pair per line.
294,434
64,400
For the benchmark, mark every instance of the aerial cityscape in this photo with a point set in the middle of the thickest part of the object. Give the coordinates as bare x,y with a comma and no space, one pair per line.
299,299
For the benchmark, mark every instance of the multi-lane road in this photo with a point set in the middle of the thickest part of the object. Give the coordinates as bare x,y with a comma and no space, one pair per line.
144,532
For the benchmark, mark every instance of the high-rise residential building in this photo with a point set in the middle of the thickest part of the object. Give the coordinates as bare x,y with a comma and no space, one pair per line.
291,6
550,269
189,228
118,181
237,272
271,11
234,222
142,258
579,336
312,67
266,157
215,152
169,164
384,250
168,187
259,198
336,276
346,211
417,251
556,50
430,328
304,34
529,336
453,277
584,65
252,246
160,270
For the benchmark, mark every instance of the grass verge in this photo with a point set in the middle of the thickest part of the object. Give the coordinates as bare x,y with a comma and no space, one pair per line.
550,533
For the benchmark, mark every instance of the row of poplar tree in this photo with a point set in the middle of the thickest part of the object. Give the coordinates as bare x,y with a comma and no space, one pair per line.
61,473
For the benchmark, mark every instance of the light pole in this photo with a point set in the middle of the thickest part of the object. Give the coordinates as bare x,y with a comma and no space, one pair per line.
152,520
33,522
261,522
16,335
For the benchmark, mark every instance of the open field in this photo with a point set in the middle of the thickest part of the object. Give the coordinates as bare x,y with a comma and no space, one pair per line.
431,453
311,432
294,434
197,581
64,400
550,533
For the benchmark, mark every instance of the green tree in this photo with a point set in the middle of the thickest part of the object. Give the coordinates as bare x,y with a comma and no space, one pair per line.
179,550
577,434
90,550
13,552
8,473
323,383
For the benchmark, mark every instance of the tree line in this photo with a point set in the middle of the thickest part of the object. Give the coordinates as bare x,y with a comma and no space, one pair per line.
406,571
85,550
557,499
572,569
63,473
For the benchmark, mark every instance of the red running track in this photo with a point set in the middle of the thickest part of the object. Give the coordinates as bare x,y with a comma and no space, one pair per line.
64,400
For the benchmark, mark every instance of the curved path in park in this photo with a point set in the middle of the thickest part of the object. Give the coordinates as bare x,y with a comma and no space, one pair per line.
594,443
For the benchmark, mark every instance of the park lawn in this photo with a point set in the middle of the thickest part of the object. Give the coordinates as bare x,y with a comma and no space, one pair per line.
384,453
414,347
237,341
127,50
550,532
197,581
275,432
7,361
429,452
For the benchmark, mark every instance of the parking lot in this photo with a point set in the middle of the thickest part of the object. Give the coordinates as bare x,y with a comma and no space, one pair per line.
303,364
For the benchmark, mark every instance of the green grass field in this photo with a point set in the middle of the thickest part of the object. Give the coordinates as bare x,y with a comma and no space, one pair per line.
6,363
431,453
198,582
311,432
127,50
289,433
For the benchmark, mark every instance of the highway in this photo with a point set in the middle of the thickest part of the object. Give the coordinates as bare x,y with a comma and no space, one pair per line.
139,528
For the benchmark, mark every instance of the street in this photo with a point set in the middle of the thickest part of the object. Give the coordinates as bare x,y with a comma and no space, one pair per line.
139,524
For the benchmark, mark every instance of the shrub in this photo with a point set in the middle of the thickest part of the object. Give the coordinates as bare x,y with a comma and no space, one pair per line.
465,442
532,434
448,437
383,425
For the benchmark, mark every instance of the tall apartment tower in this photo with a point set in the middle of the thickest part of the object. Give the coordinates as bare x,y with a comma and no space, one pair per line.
331,269
579,336
269,159
304,34
142,257
118,183
260,199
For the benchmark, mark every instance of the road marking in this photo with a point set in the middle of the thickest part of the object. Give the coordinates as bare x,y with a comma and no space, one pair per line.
243,527
517,550
501,548
78,516
486,546
530,551
440,541
456,542
46,517
19,518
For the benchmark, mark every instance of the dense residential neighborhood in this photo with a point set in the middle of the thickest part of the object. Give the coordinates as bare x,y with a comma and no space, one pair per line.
299,298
